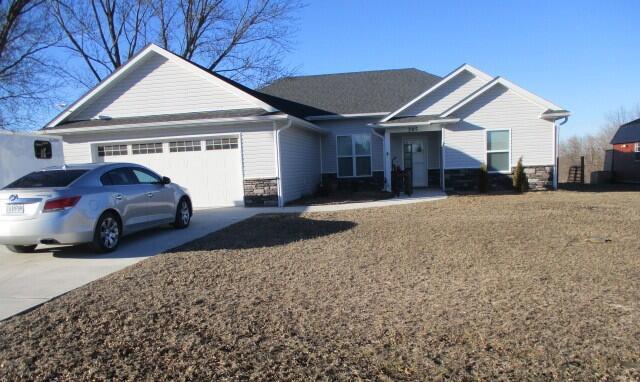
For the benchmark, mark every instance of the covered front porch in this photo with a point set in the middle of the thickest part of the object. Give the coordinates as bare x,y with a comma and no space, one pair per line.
417,148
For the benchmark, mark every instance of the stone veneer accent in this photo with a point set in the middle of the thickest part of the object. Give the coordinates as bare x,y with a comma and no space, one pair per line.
467,179
261,192
434,177
373,182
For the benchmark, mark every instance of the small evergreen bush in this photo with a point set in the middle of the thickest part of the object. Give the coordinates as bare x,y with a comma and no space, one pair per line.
520,182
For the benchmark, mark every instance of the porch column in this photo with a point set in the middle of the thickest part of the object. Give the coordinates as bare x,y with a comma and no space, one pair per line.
387,160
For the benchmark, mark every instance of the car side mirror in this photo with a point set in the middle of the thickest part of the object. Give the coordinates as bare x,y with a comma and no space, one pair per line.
166,180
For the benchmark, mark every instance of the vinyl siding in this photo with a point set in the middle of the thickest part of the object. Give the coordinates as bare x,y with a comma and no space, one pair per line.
75,153
258,154
258,147
445,96
499,108
300,162
160,86
349,127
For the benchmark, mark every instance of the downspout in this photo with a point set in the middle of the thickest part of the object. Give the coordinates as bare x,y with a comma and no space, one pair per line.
321,155
557,151
442,161
279,163
383,157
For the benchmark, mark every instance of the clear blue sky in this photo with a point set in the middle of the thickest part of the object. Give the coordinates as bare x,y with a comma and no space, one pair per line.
582,55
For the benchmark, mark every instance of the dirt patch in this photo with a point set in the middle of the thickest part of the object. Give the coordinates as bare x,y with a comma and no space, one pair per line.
487,287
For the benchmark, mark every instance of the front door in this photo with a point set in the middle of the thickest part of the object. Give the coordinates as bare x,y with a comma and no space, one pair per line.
415,157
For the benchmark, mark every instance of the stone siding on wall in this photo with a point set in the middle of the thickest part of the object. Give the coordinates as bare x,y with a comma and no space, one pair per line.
375,182
467,179
261,192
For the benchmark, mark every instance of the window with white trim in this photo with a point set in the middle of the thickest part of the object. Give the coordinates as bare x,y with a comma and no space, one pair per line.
182,146
636,151
146,148
112,150
221,143
354,155
498,151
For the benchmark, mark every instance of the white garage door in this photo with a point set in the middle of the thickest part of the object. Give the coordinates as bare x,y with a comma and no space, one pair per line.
210,167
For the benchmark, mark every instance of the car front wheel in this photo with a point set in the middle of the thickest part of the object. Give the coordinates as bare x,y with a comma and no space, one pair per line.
22,248
107,234
183,214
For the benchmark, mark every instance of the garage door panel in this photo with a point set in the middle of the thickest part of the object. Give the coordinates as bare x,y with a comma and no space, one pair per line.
213,177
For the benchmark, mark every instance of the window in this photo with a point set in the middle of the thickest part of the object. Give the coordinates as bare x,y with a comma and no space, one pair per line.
118,177
498,154
354,155
221,143
112,150
146,177
42,149
51,178
182,146
146,148
636,151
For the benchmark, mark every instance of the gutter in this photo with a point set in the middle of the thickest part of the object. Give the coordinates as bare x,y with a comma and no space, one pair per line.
168,124
401,124
279,162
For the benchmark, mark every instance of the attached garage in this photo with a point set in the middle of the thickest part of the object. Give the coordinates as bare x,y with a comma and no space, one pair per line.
209,134
209,166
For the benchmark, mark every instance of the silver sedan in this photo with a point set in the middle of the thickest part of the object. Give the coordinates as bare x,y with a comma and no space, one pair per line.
91,203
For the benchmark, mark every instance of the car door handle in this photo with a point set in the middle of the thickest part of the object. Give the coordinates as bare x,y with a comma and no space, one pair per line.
150,194
118,196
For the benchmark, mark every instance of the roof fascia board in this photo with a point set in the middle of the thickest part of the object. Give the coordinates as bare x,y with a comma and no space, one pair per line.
343,116
307,125
170,56
149,125
509,85
464,67
432,122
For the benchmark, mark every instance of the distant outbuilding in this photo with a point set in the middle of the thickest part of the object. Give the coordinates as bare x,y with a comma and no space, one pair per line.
625,159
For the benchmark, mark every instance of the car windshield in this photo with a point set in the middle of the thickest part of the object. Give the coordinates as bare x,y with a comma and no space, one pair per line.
51,178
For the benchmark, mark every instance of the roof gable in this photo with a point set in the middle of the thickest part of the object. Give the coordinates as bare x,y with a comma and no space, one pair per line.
499,81
372,92
450,89
156,82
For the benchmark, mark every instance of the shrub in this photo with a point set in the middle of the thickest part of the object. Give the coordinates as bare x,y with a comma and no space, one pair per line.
520,182
483,180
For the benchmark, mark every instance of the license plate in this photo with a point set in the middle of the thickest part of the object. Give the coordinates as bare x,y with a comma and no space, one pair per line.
15,209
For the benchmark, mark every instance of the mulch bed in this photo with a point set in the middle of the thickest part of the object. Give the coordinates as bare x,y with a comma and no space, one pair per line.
501,287
342,197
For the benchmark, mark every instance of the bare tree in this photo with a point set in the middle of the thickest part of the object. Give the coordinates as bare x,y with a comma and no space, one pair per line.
25,35
244,39
103,34
593,147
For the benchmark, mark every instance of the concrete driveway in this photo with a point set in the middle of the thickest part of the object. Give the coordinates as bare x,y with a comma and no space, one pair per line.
27,280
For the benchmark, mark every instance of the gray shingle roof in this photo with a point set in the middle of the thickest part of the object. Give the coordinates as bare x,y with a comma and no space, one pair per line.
379,91
627,133
164,118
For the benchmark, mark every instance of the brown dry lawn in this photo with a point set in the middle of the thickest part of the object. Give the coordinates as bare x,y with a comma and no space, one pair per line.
489,287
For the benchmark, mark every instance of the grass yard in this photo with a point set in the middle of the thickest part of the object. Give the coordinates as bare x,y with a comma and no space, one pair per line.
540,286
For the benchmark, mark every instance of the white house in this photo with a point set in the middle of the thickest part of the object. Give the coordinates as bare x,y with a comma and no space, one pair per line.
231,145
